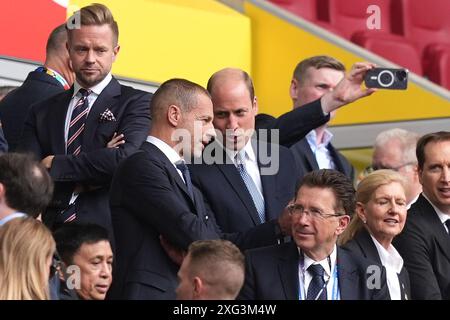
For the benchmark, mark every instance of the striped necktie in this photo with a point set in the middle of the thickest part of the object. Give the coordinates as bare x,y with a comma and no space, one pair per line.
77,121
258,199
317,287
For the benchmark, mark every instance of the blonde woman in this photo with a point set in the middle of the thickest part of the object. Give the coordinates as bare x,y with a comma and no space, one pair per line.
380,216
26,251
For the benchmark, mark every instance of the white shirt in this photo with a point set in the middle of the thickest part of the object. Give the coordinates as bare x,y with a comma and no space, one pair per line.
393,263
168,151
305,277
250,163
442,216
320,151
96,90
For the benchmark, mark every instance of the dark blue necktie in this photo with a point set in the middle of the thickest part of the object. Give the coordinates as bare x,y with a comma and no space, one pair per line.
77,121
447,223
317,283
186,176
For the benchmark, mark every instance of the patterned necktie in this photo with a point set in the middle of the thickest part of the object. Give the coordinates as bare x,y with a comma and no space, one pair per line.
258,199
77,121
447,223
317,283
186,176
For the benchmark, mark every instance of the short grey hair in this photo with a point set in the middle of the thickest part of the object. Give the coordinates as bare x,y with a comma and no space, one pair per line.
408,142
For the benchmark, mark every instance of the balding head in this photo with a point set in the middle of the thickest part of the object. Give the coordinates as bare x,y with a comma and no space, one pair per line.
231,75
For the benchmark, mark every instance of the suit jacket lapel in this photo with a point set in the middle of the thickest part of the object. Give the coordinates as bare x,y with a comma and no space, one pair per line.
58,117
365,241
268,182
347,276
308,155
235,180
149,147
288,271
107,98
442,236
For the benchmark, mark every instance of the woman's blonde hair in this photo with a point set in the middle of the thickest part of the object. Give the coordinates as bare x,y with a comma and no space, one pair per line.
26,245
366,188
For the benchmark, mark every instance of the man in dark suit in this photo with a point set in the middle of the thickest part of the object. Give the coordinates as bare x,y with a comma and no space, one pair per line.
156,211
313,267
425,241
52,78
313,83
242,201
70,131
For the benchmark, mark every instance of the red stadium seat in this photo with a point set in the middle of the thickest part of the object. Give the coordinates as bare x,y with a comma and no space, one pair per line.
392,47
423,22
438,69
350,16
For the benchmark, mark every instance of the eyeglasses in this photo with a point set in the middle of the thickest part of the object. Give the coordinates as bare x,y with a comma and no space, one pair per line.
297,210
397,168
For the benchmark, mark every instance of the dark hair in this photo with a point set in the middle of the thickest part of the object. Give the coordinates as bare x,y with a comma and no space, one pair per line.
246,79
426,139
180,92
341,186
317,62
28,186
96,14
70,237
57,40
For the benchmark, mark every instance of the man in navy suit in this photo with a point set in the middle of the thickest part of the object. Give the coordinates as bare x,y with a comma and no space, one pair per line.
313,84
70,131
156,210
313,267
241,200
52,78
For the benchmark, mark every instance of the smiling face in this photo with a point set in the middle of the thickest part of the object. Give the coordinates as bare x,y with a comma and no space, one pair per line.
95,263
92,51
316,236
385,212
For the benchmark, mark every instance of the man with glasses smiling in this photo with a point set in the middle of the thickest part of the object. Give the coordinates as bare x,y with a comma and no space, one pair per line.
313,267
395,149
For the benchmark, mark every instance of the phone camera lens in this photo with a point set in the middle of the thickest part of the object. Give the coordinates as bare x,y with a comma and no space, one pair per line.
401,75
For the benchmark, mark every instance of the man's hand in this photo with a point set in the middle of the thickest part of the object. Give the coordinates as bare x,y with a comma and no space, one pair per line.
47,161
285,221
175,254
116,141
348,89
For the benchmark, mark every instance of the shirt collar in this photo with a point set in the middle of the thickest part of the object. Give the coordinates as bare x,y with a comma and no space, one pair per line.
442,216
312,141
307,261
97,89
247,151
390,257
168,151
12,216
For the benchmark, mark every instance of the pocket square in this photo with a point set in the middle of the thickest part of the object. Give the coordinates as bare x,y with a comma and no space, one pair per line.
106,116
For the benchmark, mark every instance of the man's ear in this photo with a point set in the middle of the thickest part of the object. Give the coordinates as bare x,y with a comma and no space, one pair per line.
293,89
343,223
255,105
2,192
116,50
198,288
174,115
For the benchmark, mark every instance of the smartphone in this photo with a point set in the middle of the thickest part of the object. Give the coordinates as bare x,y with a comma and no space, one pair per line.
387,78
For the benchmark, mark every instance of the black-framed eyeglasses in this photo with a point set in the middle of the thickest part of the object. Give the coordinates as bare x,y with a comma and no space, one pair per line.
298,210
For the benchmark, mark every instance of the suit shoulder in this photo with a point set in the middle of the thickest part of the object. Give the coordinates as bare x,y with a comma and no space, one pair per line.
269,251
130,91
